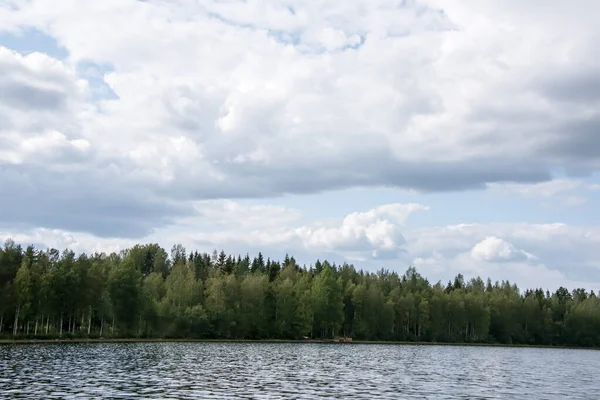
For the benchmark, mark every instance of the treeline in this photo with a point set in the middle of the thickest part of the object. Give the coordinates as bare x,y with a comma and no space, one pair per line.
145,292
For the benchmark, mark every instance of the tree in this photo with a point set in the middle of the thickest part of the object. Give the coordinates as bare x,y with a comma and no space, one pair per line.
124,285
178,254
140,292
253,313
327,304
23,293
293,313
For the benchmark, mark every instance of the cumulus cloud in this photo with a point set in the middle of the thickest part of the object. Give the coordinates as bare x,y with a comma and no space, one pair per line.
373,234
376,231
236,100
531,255
261,99
53,172
509,251
79,242
36,82
494,249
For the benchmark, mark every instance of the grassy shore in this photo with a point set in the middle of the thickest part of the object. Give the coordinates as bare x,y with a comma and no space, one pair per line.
363,342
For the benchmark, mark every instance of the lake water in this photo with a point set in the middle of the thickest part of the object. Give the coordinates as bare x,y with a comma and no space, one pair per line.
294,371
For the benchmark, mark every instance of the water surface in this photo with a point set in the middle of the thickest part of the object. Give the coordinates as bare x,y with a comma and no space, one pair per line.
294,371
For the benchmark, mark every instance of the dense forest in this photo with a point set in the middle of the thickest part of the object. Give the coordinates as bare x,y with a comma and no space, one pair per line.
146,292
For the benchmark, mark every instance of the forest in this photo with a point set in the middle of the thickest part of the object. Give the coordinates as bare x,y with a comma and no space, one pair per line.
145,292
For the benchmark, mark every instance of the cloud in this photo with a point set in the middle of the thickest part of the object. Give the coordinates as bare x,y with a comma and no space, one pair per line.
36,85
566,192
245,100
509,251
526,274
373,234
376,231
228,213
494,249
542,189
79,242
53,174
531,255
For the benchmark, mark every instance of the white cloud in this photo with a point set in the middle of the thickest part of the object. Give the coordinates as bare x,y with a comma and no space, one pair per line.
55,238
377,231
265,98
541,189
228,100
227,224
529,254
233,214
569,192
38,96
546,255
494,249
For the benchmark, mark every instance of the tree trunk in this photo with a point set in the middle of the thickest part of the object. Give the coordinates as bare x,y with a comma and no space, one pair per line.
61,325
90,321
27,331
47,324
101,326
112,329
37,319
15,328
1,321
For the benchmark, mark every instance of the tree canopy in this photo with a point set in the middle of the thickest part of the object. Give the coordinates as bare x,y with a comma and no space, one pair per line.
145,292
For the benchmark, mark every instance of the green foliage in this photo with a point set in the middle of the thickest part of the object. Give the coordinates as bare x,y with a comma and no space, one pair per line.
124,287
327,304
144,292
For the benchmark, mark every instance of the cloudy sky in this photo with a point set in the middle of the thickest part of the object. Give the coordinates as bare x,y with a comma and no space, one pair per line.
455,135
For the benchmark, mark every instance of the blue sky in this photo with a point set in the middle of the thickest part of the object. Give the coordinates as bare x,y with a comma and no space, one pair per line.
456,136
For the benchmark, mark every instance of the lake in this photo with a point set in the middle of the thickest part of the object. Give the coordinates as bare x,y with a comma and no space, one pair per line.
182,370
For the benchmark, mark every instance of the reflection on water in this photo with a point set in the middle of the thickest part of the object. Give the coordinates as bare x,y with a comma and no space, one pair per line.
294,371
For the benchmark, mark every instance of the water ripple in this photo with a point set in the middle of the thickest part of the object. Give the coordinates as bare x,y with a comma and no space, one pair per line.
293,371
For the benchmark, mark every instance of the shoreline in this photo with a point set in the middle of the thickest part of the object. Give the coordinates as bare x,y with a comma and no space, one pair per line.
313,341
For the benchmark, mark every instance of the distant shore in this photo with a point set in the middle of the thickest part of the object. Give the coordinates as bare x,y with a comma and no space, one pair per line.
310,341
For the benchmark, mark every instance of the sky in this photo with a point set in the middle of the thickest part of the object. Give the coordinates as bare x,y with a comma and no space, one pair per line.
457,136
